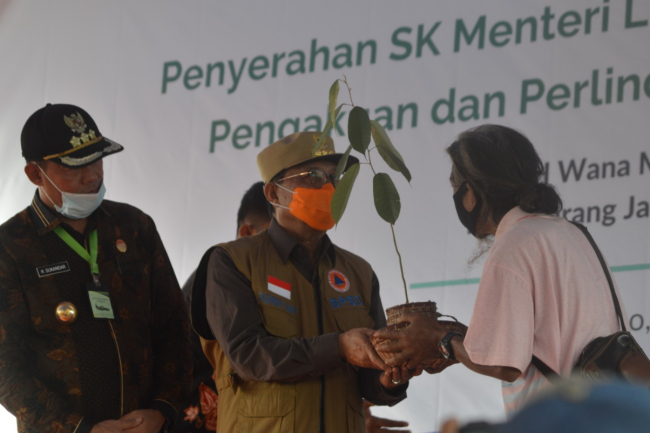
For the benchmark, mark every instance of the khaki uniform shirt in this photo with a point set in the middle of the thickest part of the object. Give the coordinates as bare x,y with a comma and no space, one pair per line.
271,335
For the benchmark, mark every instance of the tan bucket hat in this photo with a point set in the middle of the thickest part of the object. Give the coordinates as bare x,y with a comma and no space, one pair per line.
296,149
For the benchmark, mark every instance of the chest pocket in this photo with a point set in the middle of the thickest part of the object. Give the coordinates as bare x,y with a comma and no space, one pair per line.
268,411
348,309
279,323
353,318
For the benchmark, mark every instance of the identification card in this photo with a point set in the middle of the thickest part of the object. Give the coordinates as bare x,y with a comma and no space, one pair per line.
100,301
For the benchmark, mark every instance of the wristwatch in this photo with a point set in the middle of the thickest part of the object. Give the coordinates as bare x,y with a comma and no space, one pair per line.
445,345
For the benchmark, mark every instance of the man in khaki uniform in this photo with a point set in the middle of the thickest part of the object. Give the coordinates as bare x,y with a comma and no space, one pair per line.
290,313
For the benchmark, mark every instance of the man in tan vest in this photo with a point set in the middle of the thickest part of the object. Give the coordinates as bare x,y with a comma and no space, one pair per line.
285,316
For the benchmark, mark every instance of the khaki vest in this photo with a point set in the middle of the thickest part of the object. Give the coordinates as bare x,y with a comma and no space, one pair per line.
248,406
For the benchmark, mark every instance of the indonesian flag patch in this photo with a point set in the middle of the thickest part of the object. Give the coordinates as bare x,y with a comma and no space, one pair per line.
279,287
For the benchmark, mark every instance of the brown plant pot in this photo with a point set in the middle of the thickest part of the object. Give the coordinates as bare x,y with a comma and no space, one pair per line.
429,309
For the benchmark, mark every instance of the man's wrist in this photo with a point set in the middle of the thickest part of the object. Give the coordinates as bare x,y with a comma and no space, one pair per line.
445,346
328,354
339,341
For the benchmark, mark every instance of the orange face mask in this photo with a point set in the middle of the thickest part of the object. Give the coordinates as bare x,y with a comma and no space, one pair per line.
312,206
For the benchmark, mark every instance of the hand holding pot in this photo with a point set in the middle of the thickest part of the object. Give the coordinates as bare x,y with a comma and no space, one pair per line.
417,344
397,376
356,349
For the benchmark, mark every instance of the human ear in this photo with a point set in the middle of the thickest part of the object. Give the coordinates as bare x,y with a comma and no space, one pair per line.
469,199
34,174
271,192
245,230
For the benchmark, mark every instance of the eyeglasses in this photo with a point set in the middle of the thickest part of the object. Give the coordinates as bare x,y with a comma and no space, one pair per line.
317,178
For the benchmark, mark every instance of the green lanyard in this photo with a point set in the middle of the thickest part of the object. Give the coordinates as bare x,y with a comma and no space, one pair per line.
90,258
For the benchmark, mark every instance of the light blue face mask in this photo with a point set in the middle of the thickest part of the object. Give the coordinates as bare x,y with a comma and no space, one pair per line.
76,206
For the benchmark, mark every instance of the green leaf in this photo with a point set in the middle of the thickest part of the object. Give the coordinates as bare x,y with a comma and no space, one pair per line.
334,94
387,201
387,151
326,131
343,191
340,167
359,129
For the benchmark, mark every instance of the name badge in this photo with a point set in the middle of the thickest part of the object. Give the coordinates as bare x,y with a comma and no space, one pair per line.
56,268
100,301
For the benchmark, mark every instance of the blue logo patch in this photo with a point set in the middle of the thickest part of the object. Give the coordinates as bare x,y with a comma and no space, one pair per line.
279,303
346,301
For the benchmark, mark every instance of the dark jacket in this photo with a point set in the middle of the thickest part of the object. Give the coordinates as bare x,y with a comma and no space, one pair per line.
67,377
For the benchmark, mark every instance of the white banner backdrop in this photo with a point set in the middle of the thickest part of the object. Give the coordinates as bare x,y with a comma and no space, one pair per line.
195,89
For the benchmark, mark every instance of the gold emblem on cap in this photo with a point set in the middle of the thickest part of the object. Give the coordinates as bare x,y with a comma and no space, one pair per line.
325,148
75,122
66,312
78,125
121,245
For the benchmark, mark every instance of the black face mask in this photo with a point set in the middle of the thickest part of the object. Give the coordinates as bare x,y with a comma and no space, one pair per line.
468,219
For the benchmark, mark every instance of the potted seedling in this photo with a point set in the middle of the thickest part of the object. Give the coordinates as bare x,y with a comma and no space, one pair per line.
362,133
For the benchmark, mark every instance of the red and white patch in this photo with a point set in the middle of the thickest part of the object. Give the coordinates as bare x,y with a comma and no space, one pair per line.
279,287
338,281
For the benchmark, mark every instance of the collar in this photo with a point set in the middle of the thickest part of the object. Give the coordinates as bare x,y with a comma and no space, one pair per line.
284,243
45,220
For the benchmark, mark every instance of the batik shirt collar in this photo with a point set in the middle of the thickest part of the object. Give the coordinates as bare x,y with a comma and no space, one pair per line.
46,220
